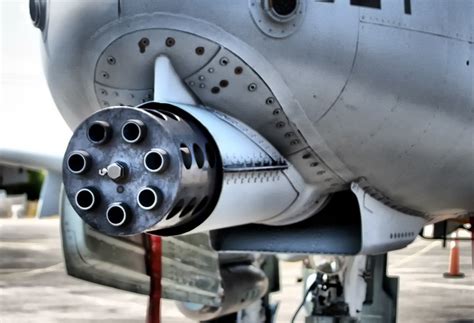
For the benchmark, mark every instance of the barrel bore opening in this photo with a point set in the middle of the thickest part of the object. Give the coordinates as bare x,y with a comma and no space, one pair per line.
85,199
156,160
116,215
77,163
147,198
133,131
98,132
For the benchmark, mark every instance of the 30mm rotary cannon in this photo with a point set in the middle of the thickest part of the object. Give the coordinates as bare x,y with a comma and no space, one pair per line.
174,169
129,170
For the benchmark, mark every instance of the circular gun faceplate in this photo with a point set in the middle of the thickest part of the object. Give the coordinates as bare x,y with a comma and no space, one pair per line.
132,159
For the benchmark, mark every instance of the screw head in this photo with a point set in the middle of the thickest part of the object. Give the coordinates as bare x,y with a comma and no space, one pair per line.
294,142
170,41
280,124
269,100
111,60
116,171
224,61
199,50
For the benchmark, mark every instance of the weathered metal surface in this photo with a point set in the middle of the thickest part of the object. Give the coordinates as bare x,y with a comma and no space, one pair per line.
383,92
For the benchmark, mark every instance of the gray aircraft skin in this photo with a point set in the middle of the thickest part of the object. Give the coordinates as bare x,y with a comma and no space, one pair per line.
300,101
375,93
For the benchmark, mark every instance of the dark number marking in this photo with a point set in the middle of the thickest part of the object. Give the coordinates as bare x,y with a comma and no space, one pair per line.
376,4
408,7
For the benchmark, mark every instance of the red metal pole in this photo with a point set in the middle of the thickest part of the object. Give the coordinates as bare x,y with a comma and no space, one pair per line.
154,269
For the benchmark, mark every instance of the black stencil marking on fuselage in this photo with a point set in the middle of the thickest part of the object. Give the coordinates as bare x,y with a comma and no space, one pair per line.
408,7
376,4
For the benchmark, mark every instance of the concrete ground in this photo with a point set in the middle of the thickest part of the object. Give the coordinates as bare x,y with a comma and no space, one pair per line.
35,288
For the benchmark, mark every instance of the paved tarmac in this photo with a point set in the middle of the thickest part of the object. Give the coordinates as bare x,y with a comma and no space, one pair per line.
35,288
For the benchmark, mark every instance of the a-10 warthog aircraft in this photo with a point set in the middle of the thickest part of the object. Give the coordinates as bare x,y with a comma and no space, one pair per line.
211,135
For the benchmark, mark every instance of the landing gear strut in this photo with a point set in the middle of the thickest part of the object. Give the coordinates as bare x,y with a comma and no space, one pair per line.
360,292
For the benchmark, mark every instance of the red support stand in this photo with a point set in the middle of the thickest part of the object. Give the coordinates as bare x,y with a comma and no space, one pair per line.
154,270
